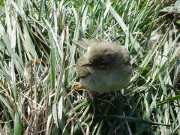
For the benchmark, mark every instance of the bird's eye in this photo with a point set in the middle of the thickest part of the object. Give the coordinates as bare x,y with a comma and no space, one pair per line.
101,65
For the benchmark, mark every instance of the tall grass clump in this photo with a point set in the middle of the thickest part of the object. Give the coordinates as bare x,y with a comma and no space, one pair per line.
37,68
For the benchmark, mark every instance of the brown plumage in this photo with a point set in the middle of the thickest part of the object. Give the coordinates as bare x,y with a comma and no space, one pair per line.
105,67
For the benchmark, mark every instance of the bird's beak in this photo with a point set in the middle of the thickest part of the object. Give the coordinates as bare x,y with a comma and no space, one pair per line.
86,64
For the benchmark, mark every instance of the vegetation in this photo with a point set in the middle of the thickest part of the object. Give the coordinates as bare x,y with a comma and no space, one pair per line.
37,68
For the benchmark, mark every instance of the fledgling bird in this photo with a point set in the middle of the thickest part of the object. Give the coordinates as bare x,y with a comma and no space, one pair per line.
105,66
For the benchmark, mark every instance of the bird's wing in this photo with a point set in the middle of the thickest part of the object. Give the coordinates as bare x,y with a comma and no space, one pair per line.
81,43
96,40
88,42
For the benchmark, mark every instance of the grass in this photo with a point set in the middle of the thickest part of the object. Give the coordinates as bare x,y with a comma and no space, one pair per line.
36,36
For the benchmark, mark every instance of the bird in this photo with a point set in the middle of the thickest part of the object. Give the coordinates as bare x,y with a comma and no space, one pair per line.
105,67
